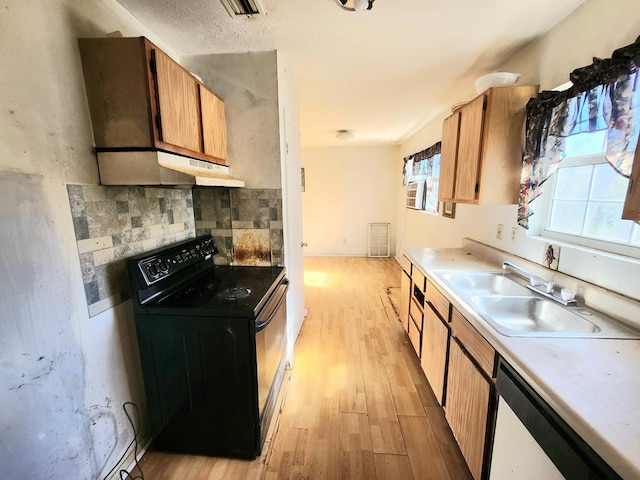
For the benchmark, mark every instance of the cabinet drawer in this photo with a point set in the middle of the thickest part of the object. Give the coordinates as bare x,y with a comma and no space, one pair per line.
406,265
415,312
473,342
415,336
419,279
438,300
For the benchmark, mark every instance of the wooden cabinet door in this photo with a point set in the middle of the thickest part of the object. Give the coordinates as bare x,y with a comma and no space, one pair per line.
178,106
631,210
115,74
435,342
214,126
448,157
405,298
469,151
415,335
467,407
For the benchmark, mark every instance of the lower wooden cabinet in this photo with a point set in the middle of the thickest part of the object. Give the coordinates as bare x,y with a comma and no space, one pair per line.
458,363
405,298
469,402
415,335
435,344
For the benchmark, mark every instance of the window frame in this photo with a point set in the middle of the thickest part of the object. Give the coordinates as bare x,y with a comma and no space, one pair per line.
543,206
429,186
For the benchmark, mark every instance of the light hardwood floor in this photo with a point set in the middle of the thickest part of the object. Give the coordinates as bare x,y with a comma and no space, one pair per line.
356,404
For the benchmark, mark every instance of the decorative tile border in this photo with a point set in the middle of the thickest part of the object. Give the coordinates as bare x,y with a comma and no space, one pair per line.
114,223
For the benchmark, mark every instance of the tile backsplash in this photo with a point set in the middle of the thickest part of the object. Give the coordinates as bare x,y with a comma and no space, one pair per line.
114,223
245,223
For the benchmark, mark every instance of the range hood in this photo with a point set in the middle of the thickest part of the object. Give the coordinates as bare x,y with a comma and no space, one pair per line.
161,168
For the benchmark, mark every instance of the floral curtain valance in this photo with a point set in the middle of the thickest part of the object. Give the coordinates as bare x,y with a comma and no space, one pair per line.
419,166
604,96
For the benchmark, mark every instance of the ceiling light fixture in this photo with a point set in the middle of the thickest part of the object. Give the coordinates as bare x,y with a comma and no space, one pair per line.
354,5
344,134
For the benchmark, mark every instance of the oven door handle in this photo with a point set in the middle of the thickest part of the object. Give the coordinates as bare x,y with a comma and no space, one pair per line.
281,292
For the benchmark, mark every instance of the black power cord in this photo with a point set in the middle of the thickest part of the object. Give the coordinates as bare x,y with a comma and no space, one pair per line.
135,427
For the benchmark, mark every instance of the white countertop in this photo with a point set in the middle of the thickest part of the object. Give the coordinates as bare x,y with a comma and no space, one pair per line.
593,384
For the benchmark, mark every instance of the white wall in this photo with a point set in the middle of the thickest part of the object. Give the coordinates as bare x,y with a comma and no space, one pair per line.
291,199
63,375
346,189
595,29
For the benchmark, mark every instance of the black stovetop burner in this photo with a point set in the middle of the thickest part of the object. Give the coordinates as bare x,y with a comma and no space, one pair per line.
228,290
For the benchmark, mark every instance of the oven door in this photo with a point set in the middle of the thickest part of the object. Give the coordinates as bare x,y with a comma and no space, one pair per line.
271,342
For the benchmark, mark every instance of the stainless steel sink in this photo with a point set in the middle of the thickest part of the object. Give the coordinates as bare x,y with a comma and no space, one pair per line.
483,283
533,316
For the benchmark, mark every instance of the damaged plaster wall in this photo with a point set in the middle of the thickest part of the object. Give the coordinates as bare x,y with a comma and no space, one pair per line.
63,375
252,234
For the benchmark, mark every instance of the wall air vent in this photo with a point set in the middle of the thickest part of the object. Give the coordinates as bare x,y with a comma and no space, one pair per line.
244,7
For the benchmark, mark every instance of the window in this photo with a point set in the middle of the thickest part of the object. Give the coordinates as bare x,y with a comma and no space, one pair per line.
603,97
421,176
584,199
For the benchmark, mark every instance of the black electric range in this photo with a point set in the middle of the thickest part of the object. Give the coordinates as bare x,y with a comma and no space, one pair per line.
212,345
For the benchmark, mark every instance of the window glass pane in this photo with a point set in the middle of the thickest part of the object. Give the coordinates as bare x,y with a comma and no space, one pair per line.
573,183
608,184
433,181
585,143
603,221
567,216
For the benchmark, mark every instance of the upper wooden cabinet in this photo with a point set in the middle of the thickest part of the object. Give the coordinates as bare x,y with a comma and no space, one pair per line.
631,209
482,146
140,99
213,124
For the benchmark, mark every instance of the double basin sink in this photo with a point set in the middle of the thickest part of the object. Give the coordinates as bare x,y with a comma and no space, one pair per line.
513,310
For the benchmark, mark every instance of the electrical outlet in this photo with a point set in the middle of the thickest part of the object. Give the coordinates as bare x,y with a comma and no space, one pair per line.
514,233
499,231
344,241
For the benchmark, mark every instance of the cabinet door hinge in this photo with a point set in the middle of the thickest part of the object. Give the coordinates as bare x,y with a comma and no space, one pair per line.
477,189
159,125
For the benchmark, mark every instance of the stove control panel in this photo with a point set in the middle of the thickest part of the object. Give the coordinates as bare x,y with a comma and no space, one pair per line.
157,267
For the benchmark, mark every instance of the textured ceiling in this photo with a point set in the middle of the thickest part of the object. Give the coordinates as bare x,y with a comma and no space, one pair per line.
381,73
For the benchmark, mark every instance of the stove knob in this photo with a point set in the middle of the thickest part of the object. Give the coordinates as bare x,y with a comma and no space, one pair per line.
164,266
153,270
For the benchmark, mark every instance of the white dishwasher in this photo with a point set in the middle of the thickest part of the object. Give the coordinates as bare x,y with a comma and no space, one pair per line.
532,442
516,454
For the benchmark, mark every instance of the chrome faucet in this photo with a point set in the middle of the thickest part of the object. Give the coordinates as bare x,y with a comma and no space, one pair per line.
535,282
538,285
